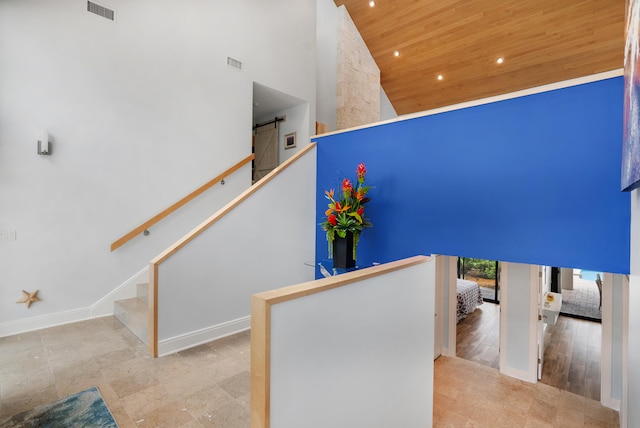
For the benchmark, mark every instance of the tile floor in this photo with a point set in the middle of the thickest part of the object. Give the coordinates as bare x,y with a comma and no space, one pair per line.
208,386
583,300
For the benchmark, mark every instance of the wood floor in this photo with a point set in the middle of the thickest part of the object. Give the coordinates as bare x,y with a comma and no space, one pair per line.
478,336
572,351
572,356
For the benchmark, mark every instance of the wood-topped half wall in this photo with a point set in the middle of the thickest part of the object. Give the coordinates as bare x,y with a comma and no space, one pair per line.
262,305
186,239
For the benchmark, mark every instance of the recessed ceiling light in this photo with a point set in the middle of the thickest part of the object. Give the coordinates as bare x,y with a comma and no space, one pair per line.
440,77
396,53
500,60
372,3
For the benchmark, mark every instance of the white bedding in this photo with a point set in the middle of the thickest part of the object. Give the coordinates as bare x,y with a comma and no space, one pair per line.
469,297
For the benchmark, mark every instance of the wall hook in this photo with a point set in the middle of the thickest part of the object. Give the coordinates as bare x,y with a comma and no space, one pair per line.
146,232
222,181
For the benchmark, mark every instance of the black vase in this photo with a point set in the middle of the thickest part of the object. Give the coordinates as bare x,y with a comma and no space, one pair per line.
343,252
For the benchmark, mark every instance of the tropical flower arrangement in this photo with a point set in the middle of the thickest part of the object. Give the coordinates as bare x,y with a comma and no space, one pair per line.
345,211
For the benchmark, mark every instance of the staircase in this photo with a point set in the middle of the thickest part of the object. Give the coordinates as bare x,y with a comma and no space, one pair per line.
134,312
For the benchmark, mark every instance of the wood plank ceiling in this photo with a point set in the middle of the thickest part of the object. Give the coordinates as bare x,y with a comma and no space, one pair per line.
541,41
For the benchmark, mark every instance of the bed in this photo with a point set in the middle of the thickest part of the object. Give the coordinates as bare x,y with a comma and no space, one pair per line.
469,297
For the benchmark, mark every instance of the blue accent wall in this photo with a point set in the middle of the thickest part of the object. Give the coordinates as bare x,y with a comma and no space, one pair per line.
534,179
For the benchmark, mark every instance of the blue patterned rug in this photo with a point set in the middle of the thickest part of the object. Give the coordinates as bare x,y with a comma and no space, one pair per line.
84,409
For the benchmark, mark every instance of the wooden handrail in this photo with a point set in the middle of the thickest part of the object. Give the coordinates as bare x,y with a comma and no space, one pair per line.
231,205
153,264
153,220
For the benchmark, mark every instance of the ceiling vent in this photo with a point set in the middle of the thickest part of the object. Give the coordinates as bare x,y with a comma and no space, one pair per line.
100,10
234,63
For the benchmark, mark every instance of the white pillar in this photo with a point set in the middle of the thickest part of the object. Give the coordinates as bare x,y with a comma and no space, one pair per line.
615,314
446,275
566,278
518,320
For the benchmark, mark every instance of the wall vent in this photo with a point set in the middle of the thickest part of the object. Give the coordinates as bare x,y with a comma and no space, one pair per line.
100,10
234,63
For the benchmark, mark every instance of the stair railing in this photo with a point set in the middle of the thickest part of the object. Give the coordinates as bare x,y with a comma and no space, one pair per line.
175,247
155,219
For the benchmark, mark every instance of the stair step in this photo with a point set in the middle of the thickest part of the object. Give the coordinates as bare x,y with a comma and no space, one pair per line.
133,313
142,292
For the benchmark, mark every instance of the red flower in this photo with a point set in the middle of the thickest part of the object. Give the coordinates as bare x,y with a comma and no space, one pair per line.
361,170
346,185
332,219
360,211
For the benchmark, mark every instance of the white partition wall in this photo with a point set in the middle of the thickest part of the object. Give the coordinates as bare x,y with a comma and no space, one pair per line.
615,314
213,275
355,354
518,320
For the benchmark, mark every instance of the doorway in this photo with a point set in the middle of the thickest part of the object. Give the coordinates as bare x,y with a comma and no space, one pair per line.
280,128
574,344
581,292
478,334
572,356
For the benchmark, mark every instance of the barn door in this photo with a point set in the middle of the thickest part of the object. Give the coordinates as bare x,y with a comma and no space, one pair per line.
266,150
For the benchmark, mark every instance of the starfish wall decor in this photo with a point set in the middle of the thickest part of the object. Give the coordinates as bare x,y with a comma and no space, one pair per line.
29,298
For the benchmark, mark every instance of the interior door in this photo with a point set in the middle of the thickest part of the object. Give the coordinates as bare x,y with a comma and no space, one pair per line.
540,325
266,150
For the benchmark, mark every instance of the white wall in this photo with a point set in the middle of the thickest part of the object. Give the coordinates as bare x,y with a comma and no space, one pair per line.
518,320
566,278
630,412
386,108
546,279
615,293
327,62
262,244
360,355
141,112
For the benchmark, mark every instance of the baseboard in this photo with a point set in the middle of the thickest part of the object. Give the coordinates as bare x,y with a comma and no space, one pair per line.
448,352
103,307
43,321
519,374
195,338
126,290
611,403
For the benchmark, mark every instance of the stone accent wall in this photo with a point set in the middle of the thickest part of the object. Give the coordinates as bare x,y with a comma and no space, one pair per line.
358,86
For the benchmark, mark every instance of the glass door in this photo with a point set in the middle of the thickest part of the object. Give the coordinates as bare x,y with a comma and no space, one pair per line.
485,272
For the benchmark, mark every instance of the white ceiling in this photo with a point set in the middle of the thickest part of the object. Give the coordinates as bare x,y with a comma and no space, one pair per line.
270,102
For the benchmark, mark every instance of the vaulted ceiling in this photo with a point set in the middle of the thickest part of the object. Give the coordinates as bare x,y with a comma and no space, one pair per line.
541,42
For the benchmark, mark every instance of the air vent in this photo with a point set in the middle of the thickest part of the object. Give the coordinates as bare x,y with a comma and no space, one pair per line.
234,63
101,10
